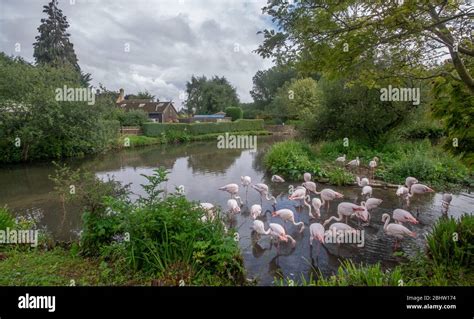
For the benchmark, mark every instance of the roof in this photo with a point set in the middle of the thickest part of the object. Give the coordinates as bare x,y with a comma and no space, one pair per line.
212,116
149,107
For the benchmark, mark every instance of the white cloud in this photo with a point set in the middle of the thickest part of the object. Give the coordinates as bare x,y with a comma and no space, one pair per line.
169,40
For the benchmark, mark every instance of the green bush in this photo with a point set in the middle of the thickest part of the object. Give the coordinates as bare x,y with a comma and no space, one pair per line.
451,242
234,112
166,238
6,219
133,118
157,129
291,160
338,176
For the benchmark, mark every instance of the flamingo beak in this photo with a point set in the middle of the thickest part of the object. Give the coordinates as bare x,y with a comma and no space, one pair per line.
320,238
283,238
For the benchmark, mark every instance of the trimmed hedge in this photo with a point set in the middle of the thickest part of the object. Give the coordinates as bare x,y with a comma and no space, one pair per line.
156,129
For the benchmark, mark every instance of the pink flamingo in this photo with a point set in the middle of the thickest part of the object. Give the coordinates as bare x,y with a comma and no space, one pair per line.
373,165
354,164
341,160
307,177
278,232
259,227
402,216
316,232
287,215
410,181
418,189
362,182
255,211
395,230
263,190
371,203
300,194
346,209
233,207
233,190
367,191
277,179
316,203
328,195
310,186
246,181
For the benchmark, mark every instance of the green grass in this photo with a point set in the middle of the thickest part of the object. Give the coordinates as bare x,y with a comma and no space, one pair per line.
59,267
6,219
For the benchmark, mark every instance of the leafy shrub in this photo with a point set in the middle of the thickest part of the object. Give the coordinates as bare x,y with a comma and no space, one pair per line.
451,242
6,219
133,118
291,160
234,112
338,176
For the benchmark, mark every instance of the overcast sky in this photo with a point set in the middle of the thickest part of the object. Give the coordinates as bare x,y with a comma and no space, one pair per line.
168,40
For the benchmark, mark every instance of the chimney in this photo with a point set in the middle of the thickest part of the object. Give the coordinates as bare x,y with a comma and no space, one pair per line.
121,96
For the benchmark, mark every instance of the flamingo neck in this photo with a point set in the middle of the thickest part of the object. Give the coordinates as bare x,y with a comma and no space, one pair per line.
387,221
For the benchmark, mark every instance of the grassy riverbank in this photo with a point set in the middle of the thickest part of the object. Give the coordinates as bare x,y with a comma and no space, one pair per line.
398,160
446,261
133,141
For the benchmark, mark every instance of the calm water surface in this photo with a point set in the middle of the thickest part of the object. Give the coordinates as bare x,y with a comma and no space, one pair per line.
201,168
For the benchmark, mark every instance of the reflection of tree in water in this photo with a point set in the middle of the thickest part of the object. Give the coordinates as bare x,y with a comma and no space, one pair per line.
212,159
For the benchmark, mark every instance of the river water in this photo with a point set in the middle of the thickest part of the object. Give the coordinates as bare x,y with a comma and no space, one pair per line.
201,168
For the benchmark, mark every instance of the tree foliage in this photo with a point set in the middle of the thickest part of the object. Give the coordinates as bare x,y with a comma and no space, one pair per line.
208,96
52,46
344,38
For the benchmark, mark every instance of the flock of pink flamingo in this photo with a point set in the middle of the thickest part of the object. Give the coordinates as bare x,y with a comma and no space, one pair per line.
345,210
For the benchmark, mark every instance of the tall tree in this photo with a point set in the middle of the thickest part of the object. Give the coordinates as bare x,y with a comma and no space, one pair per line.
267,82
343,38
207,96
52,46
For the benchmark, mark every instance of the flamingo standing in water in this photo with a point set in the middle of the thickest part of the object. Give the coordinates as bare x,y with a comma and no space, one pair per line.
300,194
278,232
246,181
233,190
418,189
410,181
316,203
341,160
287,215
402,216
367,191
233,207
395,230
255,211
346,209
259,227
263,190
328,195
403,192
362,181
371,203
277,179
316,232
445,202
307,177
310,186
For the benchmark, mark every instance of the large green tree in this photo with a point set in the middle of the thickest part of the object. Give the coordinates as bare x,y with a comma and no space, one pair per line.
53,46
267,82
207,96
345,38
